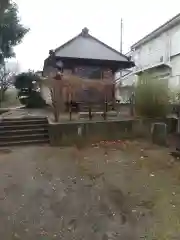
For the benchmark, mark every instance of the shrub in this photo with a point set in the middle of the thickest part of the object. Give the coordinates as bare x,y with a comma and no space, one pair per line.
28,83
31,99
26,80
151,97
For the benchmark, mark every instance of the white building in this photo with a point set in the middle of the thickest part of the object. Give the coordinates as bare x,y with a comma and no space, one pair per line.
158,53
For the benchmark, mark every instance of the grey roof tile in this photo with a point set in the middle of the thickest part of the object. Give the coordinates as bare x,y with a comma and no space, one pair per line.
86,46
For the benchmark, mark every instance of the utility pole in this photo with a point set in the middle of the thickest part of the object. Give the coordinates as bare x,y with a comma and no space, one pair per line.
120,72
121,41
121,37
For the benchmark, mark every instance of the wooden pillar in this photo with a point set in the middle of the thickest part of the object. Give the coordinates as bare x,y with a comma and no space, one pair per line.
54,101
113,91
113,96
70,102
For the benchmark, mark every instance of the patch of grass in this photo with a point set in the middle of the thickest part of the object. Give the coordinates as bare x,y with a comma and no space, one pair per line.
10,99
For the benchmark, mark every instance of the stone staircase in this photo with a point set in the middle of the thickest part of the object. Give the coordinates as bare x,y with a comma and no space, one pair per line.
94,108
21,131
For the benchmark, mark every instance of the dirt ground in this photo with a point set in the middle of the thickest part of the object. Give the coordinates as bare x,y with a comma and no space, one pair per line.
125,190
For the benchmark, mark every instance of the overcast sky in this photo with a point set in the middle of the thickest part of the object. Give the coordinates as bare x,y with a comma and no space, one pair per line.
53,22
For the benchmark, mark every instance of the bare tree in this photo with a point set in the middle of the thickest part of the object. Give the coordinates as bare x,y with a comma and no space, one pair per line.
6,80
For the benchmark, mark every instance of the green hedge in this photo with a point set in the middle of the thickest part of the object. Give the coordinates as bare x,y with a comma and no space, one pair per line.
31,99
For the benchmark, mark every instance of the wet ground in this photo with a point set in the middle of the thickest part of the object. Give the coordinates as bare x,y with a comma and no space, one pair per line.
125,190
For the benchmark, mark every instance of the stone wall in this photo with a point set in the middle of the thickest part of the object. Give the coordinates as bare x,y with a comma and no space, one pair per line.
45,86
68,134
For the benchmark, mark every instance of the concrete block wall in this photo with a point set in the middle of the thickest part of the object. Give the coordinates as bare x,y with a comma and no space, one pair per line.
86,132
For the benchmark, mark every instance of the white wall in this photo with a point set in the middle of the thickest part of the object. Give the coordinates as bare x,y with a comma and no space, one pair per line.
153,52
165,48
46,94
159,49
175,64
175,40
174,80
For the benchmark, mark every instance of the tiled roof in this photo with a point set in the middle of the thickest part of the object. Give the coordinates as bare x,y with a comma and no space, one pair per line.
86,46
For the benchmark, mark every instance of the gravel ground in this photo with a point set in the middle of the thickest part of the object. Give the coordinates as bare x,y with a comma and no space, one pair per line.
125,190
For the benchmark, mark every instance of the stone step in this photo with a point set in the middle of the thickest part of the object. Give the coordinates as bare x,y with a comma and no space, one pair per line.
93,108
98,114
23,118
9,132
39,136
20,131
24,142
6,122
23,126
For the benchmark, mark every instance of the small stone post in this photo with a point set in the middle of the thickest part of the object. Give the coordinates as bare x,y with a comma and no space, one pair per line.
159,133
178,125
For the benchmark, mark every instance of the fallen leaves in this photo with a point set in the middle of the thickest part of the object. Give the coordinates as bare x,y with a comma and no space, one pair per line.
152,175
113,145
16,236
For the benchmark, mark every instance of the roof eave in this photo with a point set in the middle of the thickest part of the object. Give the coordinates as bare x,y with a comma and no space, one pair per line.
153,66
165,27
85,61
